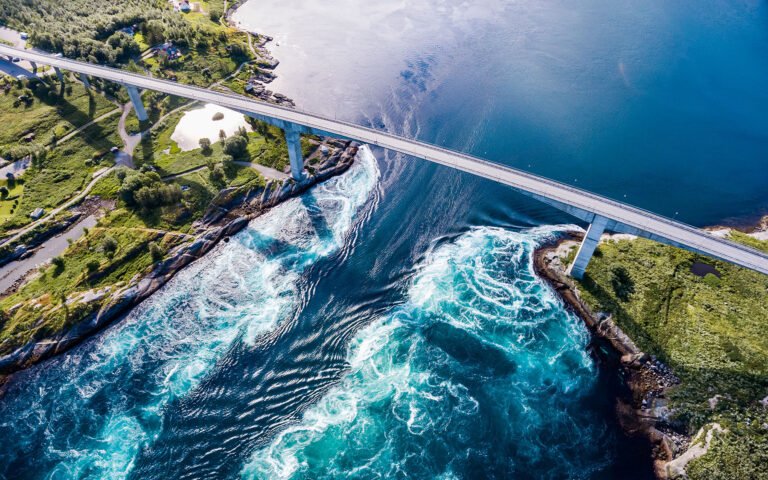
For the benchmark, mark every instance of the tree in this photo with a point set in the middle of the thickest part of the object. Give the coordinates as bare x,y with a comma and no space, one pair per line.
205,144
92,265
222,134
58,262
109,246
215,14
155,251
217,175
3,192
622,283
237,146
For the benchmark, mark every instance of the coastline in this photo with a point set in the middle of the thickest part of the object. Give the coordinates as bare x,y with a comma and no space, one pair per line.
643,411
227,214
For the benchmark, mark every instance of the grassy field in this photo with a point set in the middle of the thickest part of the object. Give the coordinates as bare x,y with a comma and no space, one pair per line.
207,62
64,171
711,330
48,115
108,255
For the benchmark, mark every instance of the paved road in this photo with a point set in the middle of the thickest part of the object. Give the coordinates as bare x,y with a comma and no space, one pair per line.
656,225
61,207
12,272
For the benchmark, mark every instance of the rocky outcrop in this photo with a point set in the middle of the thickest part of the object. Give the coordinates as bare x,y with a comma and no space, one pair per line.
675,470
231,211
644,411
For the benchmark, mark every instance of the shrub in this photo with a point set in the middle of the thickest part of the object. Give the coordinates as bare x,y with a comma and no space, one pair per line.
92,265
711,280
218,116
155,251
109,246
58,262
3,192
237,146
205,144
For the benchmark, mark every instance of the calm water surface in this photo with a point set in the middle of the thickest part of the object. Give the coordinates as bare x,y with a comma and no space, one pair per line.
388,324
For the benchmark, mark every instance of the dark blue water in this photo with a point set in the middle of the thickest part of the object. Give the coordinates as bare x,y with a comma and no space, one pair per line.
389,324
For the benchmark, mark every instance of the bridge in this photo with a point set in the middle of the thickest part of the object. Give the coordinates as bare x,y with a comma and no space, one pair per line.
602,213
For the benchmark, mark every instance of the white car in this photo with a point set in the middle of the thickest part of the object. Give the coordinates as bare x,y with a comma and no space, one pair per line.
24,35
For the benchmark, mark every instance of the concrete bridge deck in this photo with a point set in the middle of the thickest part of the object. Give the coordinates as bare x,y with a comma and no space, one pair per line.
601,212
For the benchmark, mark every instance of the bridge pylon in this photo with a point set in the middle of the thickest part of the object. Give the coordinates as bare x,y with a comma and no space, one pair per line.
84,78
587,247
138,105
295,155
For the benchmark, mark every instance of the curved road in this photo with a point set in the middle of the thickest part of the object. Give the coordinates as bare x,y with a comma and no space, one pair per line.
633,217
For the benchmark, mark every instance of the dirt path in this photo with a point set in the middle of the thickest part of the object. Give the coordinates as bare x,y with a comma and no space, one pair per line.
97,176
83,127
265,171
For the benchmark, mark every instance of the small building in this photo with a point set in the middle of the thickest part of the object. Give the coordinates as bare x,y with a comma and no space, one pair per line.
37,213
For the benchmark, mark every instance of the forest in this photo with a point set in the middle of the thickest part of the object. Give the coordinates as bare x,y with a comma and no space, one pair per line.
90,30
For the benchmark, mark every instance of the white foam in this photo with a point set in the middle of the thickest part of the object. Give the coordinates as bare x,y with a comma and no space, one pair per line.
242,286
387,364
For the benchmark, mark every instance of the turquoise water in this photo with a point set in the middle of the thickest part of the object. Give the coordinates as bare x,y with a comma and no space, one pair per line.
120,383
480,373
388,324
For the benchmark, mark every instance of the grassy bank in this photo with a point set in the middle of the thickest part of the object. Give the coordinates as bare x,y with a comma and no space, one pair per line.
147,216
58,168
710,329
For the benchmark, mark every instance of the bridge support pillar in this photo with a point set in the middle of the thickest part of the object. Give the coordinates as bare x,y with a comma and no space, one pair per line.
293,139
59,74
84,79
587,247
138,105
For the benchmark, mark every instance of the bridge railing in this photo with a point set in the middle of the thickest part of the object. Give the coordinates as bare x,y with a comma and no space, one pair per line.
129,78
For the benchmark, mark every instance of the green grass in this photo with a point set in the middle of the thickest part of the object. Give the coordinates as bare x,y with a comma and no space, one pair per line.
204,66
178,162
48,114
10,203
40,308
66,169
269,150
711,332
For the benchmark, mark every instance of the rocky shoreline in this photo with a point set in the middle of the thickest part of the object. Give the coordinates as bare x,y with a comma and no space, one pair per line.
229,213
644,411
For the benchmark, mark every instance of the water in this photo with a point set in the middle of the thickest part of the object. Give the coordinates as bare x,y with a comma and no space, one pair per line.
199,123
480,358
120,382
389,324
